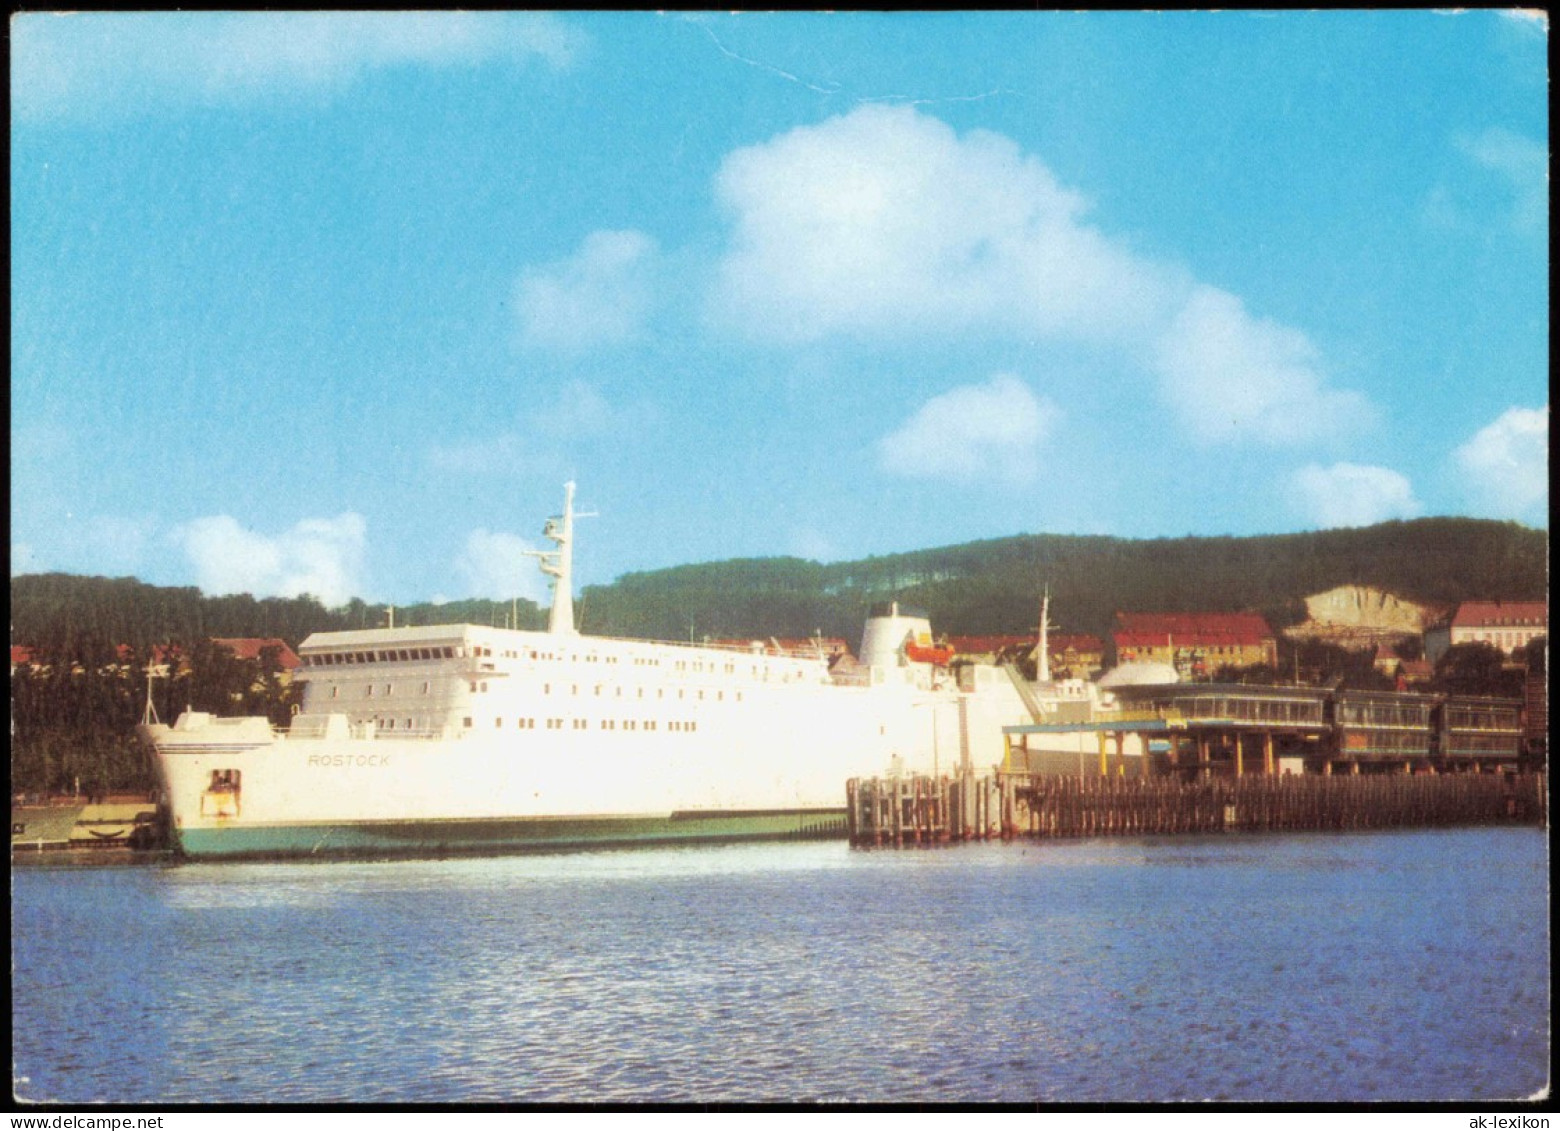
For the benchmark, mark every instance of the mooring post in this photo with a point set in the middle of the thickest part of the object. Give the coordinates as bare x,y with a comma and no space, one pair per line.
851,795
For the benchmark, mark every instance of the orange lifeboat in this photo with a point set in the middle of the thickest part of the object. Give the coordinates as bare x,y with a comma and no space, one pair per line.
928,653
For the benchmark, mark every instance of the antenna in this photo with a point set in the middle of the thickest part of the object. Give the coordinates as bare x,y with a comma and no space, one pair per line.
149,716
559,564
1043,661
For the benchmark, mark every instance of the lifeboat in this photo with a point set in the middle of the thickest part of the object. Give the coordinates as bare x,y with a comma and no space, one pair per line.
928,653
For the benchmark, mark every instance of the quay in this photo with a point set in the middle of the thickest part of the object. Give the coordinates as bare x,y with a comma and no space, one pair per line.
911,810
56,825
1202,758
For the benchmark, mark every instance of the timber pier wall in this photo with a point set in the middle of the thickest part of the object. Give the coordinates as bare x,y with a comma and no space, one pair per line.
923,810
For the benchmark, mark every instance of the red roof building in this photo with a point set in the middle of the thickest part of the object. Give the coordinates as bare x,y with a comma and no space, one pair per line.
252,648
161,654
1506,625
1075,655
991,647
1196,644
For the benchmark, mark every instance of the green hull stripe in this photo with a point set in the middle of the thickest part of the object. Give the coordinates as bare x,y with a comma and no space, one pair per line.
422,838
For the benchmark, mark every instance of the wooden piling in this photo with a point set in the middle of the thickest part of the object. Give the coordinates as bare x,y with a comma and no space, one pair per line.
911,810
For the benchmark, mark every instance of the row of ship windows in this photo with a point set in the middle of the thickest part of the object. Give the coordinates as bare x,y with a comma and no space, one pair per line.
402,655
480,686
391,656
679,726
513,654
407,655
638,661
617,692
369,692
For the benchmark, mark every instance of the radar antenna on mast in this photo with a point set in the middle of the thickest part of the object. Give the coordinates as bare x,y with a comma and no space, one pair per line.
1043,660
149,714
559,564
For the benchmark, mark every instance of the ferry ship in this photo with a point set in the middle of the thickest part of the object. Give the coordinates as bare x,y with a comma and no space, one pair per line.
425,740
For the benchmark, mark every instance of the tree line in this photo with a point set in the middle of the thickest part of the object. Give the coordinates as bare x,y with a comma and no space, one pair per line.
983,587
994,586
74,707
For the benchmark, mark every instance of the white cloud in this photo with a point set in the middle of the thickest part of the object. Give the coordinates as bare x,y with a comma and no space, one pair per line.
1230,376
885,222
972,432
1514,193
545,436
1350,494
494,565
90,63
1534,20
1506,464
599,296
318,556
1523,164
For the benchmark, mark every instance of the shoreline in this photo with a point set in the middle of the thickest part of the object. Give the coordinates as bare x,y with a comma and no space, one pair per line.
89,857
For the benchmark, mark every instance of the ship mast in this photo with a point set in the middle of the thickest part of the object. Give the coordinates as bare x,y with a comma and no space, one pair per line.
1043,660
149,715
559,565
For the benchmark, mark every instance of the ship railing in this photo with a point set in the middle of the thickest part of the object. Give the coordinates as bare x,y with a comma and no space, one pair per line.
369,730
767,649
361,731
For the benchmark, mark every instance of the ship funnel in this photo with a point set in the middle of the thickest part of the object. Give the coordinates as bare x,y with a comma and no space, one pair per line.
888,628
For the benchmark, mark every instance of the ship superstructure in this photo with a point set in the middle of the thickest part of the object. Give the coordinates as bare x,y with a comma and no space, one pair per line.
464,737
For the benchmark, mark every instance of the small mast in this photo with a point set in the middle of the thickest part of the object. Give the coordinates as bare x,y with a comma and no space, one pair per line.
1043,660
559,565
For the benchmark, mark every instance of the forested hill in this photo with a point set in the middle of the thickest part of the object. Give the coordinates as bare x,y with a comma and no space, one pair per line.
978,587
994,586
53,609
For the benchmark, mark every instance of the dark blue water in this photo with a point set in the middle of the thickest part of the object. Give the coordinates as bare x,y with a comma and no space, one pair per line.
1388,966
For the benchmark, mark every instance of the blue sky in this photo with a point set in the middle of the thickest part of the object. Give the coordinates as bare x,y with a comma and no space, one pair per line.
335,303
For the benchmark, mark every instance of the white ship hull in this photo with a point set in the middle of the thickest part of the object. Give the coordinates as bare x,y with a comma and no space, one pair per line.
774,763
449,738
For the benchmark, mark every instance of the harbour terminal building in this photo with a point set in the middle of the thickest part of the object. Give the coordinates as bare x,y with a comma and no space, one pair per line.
1210,730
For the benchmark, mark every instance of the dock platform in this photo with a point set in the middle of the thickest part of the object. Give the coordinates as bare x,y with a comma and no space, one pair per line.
923,810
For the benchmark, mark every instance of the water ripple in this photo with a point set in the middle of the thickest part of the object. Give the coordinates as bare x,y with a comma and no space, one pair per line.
1255,968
